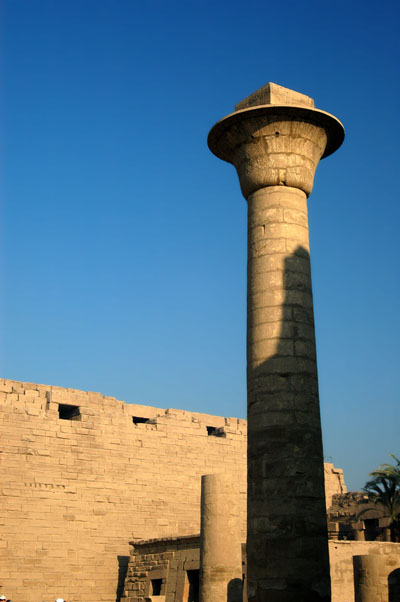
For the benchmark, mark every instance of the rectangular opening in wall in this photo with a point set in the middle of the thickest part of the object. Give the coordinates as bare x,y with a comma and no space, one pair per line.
67,412
192,586
139,420
156,585
371,529
215,431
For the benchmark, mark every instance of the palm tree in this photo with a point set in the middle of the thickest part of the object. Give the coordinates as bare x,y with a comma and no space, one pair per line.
384,490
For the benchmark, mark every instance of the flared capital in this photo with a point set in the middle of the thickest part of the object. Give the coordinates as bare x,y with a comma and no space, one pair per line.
276,138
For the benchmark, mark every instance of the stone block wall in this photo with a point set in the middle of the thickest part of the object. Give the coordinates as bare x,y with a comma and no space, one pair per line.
341,561
74,491
173,561
170,561
334,482
82,474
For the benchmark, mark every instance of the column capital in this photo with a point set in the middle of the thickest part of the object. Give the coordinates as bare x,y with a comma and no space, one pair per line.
276,137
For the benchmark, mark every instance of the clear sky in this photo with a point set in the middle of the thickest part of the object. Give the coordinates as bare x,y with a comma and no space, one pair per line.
123,239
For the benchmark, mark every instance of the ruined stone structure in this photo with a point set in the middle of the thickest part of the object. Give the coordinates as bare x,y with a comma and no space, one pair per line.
275,139
168,567
353,516
175,562
82,475
334,482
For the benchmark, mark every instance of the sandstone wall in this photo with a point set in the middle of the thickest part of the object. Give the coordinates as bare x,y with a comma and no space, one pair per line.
74,492
334,482
171,559
341,560
176,562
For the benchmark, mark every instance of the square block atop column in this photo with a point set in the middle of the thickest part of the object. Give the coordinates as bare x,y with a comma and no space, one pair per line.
272,94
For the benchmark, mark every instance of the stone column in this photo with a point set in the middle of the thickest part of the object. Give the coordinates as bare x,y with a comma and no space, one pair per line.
370,584
358,530
275,139
220,545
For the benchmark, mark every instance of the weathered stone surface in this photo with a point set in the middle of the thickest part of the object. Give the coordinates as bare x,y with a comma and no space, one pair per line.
275,150
275,144
170,559
273,94
220,542
74,492
284,428
342,553
268,151
370,580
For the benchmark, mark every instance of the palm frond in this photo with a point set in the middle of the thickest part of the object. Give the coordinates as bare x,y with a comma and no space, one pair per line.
384,489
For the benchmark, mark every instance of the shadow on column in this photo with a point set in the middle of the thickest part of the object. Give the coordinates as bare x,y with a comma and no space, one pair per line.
287,530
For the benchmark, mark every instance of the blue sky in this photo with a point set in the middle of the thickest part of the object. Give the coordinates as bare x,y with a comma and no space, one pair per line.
123,239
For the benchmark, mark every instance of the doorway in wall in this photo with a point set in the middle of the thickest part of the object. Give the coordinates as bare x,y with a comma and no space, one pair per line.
394,586
192,586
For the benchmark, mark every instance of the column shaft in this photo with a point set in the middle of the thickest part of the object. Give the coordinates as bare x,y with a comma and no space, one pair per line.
275,139
370,582
220,545
287,545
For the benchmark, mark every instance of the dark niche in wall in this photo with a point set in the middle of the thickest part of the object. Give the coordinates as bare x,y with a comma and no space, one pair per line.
215,431
139,420
68,412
